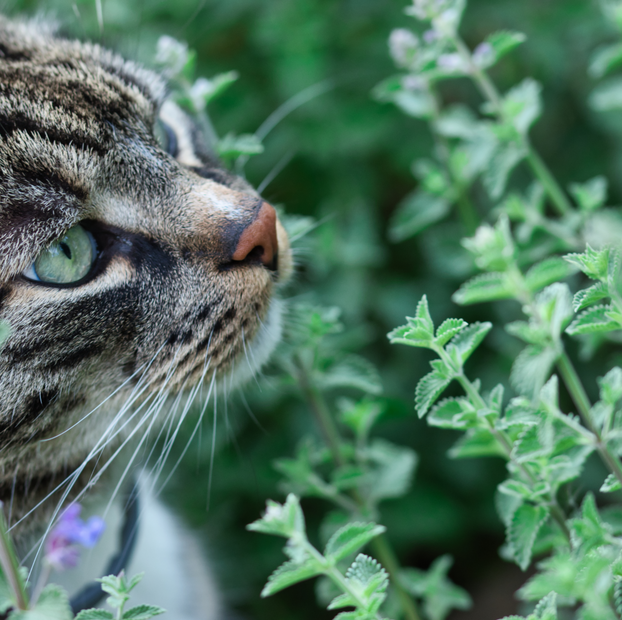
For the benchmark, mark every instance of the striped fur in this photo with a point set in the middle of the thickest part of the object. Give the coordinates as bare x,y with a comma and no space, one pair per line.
165,308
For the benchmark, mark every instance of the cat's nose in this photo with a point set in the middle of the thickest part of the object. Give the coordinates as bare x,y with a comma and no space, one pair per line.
259,239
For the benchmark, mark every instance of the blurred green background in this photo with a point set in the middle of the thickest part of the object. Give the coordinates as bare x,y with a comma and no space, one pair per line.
348,165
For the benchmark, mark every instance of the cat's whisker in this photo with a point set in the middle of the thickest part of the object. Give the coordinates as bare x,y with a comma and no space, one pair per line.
276,170
211,460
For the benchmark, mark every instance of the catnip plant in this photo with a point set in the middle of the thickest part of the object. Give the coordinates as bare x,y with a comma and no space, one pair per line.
543,247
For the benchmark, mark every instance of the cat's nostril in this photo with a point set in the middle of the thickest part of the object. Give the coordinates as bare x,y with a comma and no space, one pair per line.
259,239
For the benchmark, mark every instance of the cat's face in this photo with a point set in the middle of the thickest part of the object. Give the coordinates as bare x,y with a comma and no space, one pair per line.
162,267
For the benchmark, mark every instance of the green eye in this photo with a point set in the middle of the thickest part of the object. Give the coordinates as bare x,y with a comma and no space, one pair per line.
66,260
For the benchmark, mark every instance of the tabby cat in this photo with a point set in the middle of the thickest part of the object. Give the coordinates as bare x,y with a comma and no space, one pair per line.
132,265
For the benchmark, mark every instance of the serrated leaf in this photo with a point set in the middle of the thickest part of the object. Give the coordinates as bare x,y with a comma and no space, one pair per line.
522,104
391,469
469,339
288,574
528,332
610,485
607,95
353,371
590,296
94,614
554,305
593,263
448,329
53,604
280,519
352,615
476,443
415,213
370,577
546,609
505,158
611,386
546,272
504,41
428,390
528,445
531,369
605,59
592,321
524,528
484,287
351,538
454,413
343,600
590,195
143,612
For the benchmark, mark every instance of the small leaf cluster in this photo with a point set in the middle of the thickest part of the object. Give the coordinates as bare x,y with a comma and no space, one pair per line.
118,588
363,585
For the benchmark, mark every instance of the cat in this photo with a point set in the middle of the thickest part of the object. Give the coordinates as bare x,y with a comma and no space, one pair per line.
133,267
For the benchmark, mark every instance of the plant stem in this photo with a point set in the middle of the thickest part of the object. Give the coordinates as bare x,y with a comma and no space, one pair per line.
382,548
10,565
386,556
582,402
490,92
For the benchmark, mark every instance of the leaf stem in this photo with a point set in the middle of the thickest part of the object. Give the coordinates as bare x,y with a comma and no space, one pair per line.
490,92
582,402
10,565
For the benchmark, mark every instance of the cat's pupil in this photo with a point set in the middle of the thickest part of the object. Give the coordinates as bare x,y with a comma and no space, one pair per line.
66,250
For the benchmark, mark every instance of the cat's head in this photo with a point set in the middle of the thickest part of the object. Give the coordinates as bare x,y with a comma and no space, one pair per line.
132,265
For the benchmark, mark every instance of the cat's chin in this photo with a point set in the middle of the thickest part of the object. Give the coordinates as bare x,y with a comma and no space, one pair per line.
259,350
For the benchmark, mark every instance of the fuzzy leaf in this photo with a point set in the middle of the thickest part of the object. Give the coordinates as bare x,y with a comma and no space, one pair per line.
505,158
605,59
280,519
448,329
503,42
524,528
484,287
351,538
611,386
528,332
370,578
143,612
610,485
546,272
593,263
393,469
522,104
454,413
546,609
53,604
607,95
469,339
593,320
554,304
590,195
245,144
428,390
531,369
352,371
94,614
590,296
476,443
415,213
288,574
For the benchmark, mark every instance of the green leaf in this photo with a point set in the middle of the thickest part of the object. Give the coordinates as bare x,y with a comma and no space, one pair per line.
503,42
231,146
590,195
546,609
419,332
607,95
415,213
391,469
531,333
610,485
417,103
593,320
143,612
554,305
522,105
493,248
448,329
53,604
370,579
288,574
546,272
524,528
352,371
505,158
611,386
476,443
457,121
280,519
484,287
454,413
94,614
350,538
361,416
604,59
590,296
429,389
531,369
469,339
593,263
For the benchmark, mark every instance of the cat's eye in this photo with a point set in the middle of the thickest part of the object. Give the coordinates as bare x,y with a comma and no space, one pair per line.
65,261
165,137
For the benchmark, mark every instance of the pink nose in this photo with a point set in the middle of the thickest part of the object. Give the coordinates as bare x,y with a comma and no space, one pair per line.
259,238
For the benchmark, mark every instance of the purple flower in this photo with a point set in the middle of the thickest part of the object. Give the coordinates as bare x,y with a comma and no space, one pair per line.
62,545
